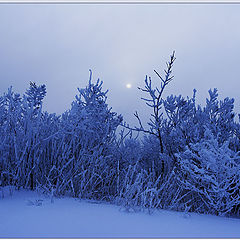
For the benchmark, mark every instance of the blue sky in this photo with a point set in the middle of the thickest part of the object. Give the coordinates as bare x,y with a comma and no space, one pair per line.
56,45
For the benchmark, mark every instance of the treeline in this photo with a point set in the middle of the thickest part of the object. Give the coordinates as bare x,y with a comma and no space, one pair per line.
188,159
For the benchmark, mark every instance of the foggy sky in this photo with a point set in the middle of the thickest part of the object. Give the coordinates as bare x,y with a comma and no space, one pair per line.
57,44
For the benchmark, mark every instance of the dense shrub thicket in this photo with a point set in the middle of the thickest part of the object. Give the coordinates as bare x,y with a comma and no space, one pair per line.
188,159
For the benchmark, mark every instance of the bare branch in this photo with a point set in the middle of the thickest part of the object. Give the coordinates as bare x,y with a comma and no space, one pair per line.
155,101
158,75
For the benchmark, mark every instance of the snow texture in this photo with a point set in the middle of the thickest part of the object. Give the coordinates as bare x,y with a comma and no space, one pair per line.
28,214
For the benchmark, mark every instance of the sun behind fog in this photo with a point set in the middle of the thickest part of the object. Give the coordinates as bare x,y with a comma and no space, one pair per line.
129,85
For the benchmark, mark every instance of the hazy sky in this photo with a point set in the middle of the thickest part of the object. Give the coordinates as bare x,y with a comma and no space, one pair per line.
56,45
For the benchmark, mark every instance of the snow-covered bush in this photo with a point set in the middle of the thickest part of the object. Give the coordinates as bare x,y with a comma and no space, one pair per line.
138,189
220,116
72,153
86,166
185,121
211,172
150,153
187,159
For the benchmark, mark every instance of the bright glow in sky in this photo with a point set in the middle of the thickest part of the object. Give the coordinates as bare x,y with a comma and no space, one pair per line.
128,85
56,44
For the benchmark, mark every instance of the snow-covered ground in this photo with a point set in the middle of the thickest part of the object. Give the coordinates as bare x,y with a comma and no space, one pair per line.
29,214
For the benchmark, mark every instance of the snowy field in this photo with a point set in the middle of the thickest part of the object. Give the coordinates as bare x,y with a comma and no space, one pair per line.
29,214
